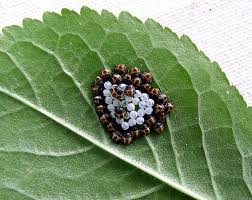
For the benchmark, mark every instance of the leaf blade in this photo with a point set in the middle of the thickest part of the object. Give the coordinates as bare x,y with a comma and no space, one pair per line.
66,30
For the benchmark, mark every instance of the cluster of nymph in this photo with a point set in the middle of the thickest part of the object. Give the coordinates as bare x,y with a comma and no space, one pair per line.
127,104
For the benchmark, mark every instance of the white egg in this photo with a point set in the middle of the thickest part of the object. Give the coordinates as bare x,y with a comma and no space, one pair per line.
106,93
122,103
135,101
119,121
108,100
144,97
137,93
150,102
116,103
148,110
142,104
133,114
111,107
122,86
128,99
125,125
108,85
140,112
140,120
112,114
132,122
130,107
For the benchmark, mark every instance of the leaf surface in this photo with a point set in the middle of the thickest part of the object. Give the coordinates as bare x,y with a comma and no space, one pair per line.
53,146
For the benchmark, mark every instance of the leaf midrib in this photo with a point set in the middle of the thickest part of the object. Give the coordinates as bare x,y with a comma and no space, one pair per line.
103,145
99,144
87,100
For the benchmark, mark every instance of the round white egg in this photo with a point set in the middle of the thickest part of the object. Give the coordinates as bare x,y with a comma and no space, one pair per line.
125,125
150,102
132,122
119,121
137,93
122,86
135,101
140,120
108,85
112,114
142,104
148,110
111,107
116,103
108,100
140,112
144,97
133,114
128,99
130,107
106,93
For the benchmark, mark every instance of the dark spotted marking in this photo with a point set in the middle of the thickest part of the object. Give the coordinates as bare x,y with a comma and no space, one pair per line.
159,108
100,109
145,130
116,93
105,73
150,120
147,87
120,69
120,113
98,100
104,119
158,127
116,79
155,91
129,90
137,82
146,77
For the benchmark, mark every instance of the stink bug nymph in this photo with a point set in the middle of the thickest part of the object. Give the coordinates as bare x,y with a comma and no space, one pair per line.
170,107
135,71
116,136
111,127
120,113
127,79
116,93
162,98
120,69
100,109
104,119
150,120
135,133
147,77
147,87
145,130
98,80
105,73
159,108
98,100
159,127
126,140
96,90
155,91
116,78
137,82
129,90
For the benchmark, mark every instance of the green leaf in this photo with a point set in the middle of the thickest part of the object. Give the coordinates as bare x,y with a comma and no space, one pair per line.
52,145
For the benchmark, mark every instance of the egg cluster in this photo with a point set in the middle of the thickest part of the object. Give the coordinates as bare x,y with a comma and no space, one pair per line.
127,105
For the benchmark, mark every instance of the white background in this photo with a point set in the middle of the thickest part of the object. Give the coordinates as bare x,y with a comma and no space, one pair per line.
222,29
